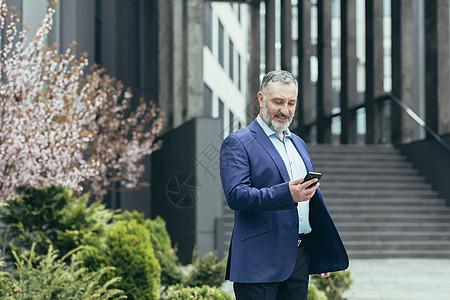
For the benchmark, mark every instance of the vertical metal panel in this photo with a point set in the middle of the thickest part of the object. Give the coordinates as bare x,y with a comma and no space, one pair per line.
193,64
270,35
402,68
177,48
149,71
348,70
374,67
85,38
304,104
437,65
164,52
443,37
324,88
286,35
109,36
431,64
255,61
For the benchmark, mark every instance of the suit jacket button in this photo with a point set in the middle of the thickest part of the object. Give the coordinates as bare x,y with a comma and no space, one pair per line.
295,224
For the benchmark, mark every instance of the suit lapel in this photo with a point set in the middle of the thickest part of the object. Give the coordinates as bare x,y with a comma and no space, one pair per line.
266,143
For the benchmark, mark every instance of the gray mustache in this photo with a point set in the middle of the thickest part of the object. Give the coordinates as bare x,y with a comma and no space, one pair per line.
283,116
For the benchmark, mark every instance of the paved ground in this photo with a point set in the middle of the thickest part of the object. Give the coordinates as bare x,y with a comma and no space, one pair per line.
397,279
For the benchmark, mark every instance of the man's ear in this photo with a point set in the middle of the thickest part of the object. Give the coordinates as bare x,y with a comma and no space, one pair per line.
260,99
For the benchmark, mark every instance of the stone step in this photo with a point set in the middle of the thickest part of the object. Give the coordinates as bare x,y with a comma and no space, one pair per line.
381,177
399,228
349,202
381,211
396,245
375,185
317,157
378,194
348,236
394,218
312,149
408,253
324,164
370,170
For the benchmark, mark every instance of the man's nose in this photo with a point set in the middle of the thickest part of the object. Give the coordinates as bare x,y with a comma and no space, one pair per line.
284,110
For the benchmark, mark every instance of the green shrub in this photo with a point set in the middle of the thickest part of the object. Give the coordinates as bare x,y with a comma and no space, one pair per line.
171,272
206,270
315,294
179,292
47,277
52,216
335,285
128,249
5,281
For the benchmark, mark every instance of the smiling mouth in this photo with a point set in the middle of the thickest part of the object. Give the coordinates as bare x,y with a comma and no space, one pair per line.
282,118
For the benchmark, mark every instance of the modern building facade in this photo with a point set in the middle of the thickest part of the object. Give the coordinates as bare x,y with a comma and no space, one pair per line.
225,63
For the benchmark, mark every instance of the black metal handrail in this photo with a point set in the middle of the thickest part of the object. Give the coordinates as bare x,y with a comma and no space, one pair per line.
414,116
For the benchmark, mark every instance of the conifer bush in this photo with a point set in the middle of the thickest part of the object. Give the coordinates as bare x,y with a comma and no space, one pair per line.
171,272
47,277
53,216
128,249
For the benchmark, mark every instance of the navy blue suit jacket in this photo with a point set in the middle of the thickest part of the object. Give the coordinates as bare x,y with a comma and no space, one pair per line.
264,240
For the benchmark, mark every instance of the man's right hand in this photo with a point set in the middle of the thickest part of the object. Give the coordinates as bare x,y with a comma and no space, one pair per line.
300,191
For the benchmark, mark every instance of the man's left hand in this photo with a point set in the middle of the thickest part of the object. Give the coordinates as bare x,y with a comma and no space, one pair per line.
324,275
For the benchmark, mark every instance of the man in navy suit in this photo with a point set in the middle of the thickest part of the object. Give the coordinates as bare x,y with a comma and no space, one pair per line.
282,229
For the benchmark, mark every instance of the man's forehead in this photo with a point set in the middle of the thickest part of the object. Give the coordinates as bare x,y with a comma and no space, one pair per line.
278,86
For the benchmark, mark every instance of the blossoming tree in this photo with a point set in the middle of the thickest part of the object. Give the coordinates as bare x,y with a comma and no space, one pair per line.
62,125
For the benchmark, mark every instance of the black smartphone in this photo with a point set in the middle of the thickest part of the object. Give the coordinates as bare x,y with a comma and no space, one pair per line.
312,175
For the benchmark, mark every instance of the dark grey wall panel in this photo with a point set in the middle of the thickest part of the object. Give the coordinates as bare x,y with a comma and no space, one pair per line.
175,159
186,187
433,161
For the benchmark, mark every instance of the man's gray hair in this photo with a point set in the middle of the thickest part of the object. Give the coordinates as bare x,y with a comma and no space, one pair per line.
277,76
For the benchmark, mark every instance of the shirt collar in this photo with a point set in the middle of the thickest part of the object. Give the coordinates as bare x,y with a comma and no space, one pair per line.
269,131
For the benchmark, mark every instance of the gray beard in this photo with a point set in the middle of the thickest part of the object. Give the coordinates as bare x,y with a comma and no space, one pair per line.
277,127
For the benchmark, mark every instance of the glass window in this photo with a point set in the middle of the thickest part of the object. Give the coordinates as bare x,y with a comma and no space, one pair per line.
207,31
221,47
231,61
239,72
207,100
231,122
221,109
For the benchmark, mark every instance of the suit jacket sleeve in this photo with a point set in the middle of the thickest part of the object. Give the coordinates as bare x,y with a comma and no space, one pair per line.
241,194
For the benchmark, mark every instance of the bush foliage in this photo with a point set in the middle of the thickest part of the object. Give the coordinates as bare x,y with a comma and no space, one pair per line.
128,249
315,294
53,216
48,277
335,285
171,272
206,270
179,292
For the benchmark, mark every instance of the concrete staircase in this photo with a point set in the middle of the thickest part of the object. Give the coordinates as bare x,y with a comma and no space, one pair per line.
381,206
